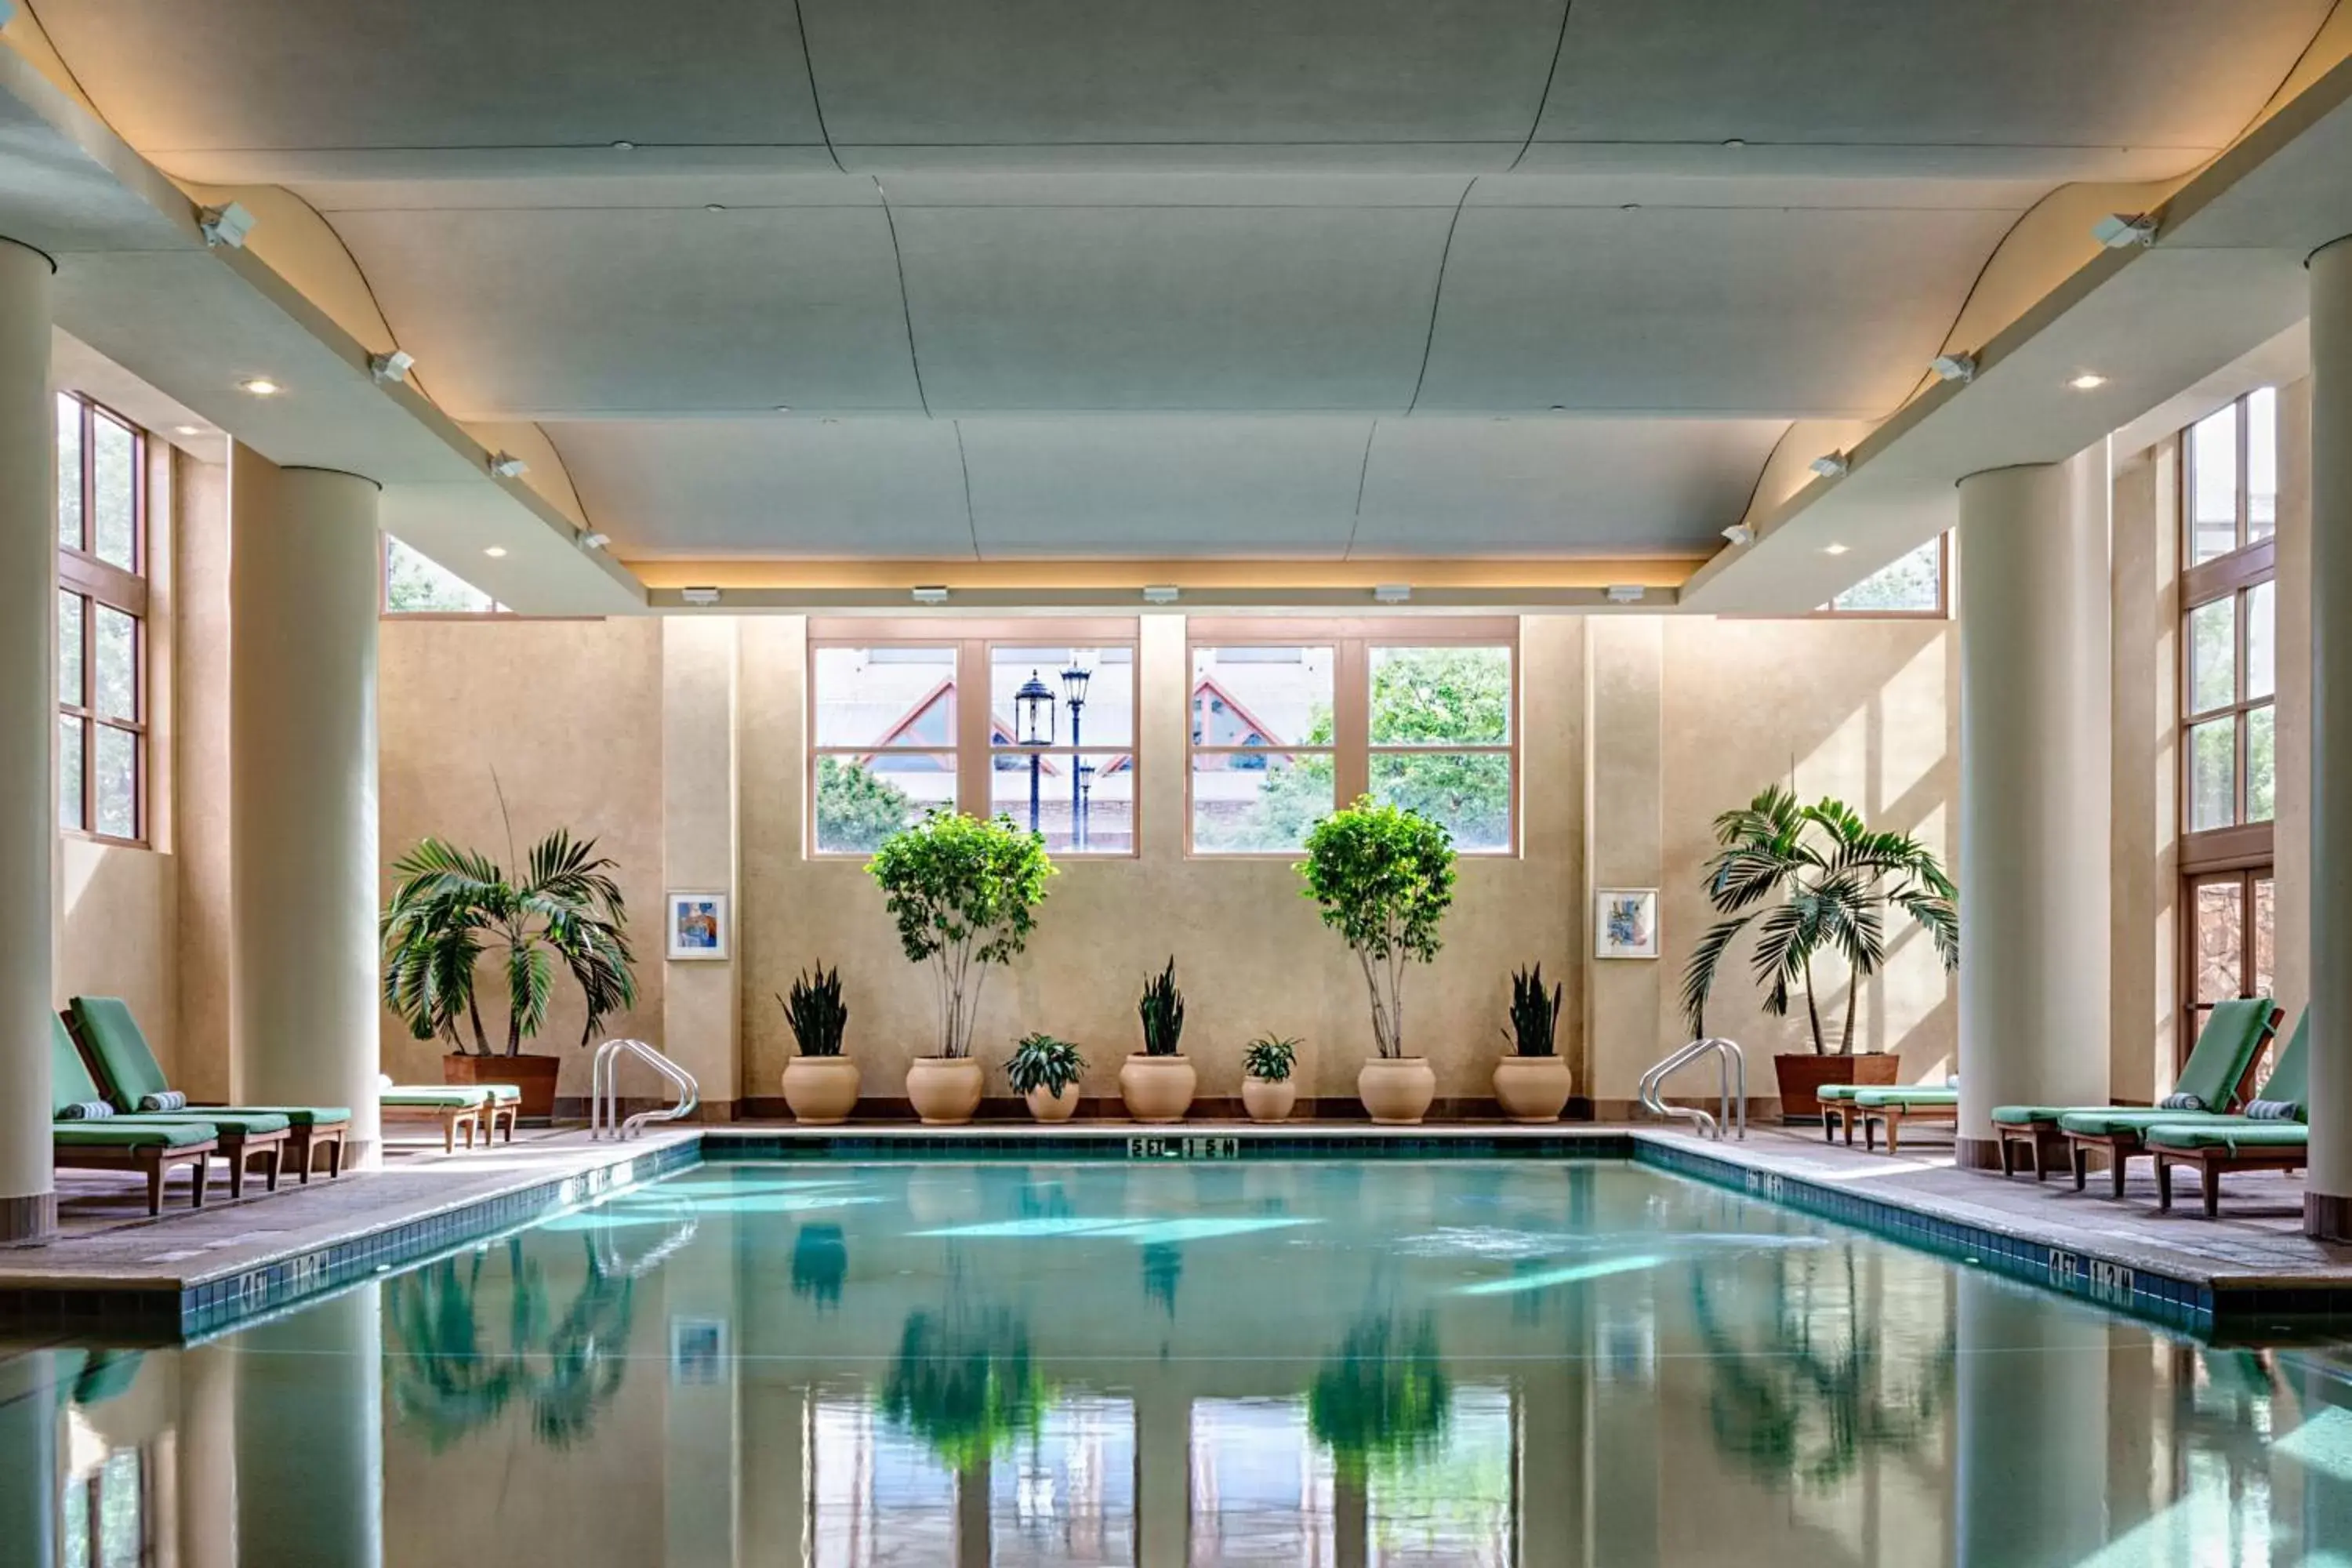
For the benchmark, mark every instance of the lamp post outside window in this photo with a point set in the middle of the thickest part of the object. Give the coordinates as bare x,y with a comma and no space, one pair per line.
1086,777
1074,693
1033,726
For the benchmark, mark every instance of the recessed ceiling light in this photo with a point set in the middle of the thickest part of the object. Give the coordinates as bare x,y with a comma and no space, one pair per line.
1394,593
625,146
2087,381
1735,142
1159,593
1833,549
186,430
714,206
1625,592
783,408
494,551
260,386
929,593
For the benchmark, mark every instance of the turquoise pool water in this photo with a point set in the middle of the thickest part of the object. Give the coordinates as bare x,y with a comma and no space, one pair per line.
1265,1363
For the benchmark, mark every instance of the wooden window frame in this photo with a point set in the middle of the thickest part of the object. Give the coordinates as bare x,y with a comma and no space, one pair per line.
1352,641
2245,876
974,753
101,583
1942,612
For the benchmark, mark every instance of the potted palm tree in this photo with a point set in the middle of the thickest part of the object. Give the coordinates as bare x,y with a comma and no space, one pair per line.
820,1084
964,891
1532,1083
1044,1072
1157,1083
1267,1092
453,909
1816,882
1383,878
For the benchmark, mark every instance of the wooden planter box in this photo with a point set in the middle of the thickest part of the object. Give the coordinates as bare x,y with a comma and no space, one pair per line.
1802,1074
535,1076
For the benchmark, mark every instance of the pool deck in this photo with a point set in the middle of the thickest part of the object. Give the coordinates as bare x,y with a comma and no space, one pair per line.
114,1272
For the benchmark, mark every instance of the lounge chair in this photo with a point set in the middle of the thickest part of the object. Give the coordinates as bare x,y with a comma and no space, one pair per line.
2218,1144
242,1137
2118,1130
1836,1100
473,1106
1910,1102
108,1033
151,1148
2216,1072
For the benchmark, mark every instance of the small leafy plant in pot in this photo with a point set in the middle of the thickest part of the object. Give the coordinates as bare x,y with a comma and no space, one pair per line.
964,893
1532,1083
1157,1083
1267,1092
1383,878
820,1084
1046,1072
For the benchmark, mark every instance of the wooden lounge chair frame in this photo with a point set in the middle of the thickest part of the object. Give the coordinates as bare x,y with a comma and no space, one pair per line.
1894,1116
2122,1144
2211,1163
155,1161
449,1117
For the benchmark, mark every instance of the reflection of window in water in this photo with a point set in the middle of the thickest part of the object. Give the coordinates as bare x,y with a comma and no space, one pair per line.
1067,1496
103,1522
1261,1486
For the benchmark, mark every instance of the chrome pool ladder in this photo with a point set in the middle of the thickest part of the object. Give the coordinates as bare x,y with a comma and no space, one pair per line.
604,1092
1732,1074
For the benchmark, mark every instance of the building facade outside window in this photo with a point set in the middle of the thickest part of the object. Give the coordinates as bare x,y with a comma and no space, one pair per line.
103,544
2228,678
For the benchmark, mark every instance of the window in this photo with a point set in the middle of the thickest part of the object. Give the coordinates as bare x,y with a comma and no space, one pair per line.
1913,585
1283,731
102,561
415,584
893,733
2229,685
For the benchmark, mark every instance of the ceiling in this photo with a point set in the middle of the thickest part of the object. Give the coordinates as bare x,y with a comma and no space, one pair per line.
1085,278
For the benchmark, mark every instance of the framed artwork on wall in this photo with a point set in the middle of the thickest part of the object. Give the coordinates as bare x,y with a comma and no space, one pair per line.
697,925
1625,922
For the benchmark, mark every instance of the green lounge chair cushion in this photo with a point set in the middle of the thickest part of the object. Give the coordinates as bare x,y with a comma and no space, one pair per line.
502,1093
114,1134
244,1121
1921,1095
70,1080
2233,1032
418,1097
1837,1091
131,1069
2128,1119
2227,1133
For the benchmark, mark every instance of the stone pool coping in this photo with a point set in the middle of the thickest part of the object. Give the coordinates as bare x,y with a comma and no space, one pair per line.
198,1274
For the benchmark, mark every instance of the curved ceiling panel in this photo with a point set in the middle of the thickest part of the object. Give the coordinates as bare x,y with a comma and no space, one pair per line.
276,75
522,314
1737,311
2185,75
1554,487
1170,309
774,486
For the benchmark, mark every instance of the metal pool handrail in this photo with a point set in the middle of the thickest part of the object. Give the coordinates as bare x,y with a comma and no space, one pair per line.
1730,1063
605,1093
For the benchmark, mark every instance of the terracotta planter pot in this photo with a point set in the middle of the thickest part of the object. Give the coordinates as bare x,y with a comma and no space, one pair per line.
1802,1074
535,1076
1157,1089
1268,1099
1532,1088
1053,1107
822,1091
1396,1090
945,1090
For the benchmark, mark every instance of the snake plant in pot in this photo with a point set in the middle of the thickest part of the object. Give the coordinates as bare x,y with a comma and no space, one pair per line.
820,1084
1267,1092
1532,1083
1045,1071
1157,1083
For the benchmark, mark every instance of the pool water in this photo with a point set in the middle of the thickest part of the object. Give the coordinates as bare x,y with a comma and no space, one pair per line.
1322,1363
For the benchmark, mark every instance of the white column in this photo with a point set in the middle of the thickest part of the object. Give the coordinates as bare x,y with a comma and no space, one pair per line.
2327,1193
303,599
2035,805
28,718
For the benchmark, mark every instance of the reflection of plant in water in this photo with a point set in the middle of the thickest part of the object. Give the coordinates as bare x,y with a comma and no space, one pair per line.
820,1263
1380,1396
966,1387
1823,1392
450,1377
1163,1266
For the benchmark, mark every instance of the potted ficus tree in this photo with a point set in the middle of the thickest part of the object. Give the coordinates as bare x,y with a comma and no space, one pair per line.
452,909
1157,1083
1532,1083
1267,1092
1045,1071
1383,878
964,891
1816,882
820,1084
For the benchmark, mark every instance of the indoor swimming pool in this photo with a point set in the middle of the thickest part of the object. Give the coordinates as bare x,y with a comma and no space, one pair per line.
1189,1364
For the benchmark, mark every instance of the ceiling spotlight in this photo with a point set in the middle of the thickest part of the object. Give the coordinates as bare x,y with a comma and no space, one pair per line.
495,552
1741,533
507,465
625,146
2088,380
392,368
186,430
260,386
1735,143
931,593
1833,549
1159,593
699,595
225,225
589,539
1830,465
2121,231
1393,594
783,408
1954,367
1625,592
